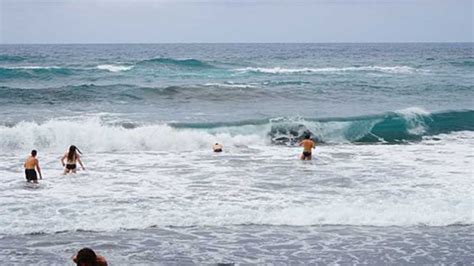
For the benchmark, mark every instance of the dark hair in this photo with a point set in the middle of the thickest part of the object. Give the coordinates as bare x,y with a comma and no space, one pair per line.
86,256
33,153
307,136
71,155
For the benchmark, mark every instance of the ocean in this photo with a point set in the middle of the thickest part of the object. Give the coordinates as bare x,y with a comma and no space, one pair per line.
391,181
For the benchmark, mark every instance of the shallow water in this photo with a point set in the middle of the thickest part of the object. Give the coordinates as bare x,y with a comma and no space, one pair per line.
249,206
253,244
263,185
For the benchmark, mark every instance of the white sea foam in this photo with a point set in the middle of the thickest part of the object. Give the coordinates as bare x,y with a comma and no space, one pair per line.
94,135
414,118
231,85
377,185
114,68
279,70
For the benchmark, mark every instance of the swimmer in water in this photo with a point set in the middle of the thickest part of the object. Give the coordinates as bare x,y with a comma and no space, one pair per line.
72,157
87,257
31,166
307,145
217,147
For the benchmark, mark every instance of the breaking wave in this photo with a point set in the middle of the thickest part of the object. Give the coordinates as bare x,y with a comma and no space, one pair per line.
396,127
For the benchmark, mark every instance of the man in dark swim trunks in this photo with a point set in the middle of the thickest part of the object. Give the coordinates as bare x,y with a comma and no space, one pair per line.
31,165
308,145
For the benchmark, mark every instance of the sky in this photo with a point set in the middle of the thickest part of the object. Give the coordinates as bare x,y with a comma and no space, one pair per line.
233,21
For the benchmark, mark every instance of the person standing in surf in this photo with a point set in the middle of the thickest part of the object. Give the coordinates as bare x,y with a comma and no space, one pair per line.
72,156
308,145
31,166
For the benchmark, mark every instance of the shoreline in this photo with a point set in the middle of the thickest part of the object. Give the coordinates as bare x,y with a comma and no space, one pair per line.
252,244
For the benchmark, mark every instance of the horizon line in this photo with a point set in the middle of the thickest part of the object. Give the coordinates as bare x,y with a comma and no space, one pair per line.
369,42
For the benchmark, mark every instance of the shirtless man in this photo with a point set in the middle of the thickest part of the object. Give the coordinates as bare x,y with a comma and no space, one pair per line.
308,145
31,165
217,147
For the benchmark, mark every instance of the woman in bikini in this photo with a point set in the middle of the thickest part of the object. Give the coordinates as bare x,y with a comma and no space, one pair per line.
72,157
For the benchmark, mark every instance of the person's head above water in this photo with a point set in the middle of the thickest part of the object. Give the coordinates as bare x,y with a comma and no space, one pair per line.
307,136
72,152
86,257
33,153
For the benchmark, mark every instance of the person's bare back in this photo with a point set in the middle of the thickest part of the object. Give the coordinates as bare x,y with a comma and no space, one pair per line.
308,145
71,157
31,162
31,165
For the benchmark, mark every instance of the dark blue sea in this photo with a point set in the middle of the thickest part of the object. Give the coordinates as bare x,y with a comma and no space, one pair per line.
391,180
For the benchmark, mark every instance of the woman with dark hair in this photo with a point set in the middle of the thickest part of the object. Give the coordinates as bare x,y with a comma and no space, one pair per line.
87,257
72,157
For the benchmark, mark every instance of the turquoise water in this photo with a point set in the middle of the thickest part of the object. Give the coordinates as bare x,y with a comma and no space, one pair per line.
234,82
238,84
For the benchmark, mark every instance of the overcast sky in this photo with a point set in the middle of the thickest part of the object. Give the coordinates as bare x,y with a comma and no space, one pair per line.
158,21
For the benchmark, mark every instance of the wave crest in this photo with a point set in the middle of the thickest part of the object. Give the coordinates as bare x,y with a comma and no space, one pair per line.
114,68
402,126
396,127
279,70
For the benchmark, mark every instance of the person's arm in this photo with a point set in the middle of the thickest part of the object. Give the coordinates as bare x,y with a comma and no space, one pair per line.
80,162
62,159
74,258
314,145
38,168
